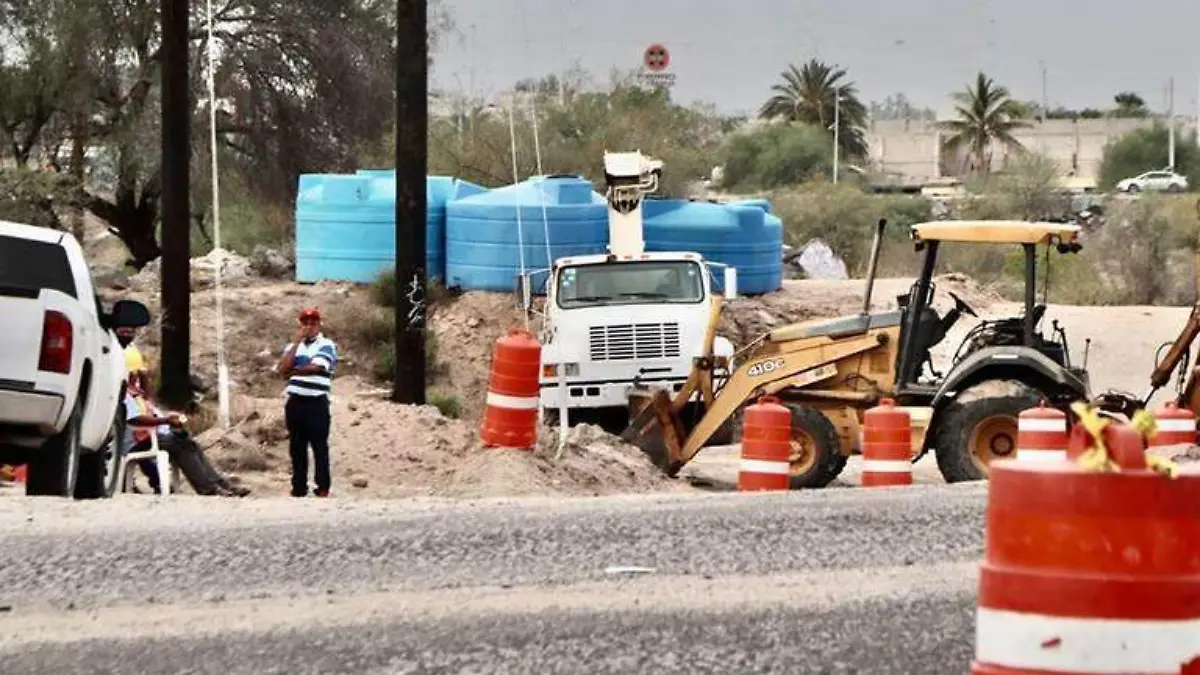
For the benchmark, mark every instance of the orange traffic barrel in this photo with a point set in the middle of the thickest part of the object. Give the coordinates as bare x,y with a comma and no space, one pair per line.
766,446
1174,426
510,415
1090,571
1042,434
887,446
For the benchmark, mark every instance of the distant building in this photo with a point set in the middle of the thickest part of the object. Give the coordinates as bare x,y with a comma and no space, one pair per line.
914,151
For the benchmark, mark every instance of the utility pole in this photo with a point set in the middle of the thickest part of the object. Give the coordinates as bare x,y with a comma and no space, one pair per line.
837,131
1171,124
412,121
1045,105
1045,98
175,383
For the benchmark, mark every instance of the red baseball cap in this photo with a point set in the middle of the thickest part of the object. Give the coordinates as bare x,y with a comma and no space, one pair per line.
310,314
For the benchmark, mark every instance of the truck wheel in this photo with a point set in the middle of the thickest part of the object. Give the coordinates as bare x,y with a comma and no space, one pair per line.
974,431
54,468
98,470
816,456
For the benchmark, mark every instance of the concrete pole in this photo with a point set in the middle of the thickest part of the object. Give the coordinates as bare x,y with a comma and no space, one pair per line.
1171,124
837,130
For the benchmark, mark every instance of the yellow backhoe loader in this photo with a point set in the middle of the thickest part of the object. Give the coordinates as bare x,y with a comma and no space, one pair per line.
830,371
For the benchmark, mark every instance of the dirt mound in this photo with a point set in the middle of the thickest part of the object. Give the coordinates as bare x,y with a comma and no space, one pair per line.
466,328
379,449
593,462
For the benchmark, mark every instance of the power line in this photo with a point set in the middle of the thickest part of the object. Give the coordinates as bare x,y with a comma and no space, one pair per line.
412,122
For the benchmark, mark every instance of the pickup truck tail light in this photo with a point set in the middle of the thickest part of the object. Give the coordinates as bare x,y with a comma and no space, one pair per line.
57,337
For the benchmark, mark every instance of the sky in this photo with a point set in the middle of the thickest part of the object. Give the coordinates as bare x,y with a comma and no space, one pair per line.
729,52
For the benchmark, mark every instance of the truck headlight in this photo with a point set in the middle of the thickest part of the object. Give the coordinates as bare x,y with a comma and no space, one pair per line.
568,369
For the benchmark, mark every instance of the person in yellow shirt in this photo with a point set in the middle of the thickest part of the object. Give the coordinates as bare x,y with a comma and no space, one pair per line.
135,365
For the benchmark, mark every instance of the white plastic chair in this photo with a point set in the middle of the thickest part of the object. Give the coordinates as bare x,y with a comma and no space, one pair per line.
167,473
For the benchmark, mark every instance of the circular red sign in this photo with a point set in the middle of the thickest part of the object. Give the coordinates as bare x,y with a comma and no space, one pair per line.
656,58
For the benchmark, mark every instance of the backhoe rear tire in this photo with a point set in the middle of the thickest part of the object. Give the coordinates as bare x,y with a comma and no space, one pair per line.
974,430
820,459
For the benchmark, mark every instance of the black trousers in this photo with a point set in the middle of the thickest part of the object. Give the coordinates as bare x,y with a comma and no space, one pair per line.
192,463
307,420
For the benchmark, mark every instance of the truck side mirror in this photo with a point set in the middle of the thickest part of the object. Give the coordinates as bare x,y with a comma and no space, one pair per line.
524,291
731,283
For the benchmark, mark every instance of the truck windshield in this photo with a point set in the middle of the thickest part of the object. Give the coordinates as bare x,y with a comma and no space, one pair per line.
26,263
626,283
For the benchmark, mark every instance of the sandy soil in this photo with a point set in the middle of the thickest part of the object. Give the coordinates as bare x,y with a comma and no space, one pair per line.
384,450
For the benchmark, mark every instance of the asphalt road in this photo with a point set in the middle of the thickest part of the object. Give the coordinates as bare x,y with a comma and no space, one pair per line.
833,581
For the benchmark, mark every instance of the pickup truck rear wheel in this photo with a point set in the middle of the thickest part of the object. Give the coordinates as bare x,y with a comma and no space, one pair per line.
54,469
98,470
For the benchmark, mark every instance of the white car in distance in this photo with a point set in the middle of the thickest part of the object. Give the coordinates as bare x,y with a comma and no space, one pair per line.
1157,181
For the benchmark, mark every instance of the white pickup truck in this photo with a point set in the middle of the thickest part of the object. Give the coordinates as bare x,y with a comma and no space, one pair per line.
62,370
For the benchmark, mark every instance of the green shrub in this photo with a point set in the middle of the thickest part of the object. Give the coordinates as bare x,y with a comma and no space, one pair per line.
384,366
776,155
844,217
383,290
246,219
1146,150
446,404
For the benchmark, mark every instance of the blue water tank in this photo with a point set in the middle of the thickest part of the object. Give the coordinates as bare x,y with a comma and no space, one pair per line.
482,249
744,236
346,224
759,202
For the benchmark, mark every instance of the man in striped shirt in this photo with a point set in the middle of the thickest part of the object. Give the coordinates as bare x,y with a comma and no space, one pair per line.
308,363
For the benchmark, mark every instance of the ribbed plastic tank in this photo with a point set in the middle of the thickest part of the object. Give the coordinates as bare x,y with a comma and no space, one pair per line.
483,250
742,235
757,202
346,224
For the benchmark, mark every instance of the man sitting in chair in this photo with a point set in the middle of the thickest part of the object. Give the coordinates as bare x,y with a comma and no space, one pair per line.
143,418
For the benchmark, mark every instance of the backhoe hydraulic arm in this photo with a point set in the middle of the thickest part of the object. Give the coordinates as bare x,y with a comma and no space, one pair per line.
1183,343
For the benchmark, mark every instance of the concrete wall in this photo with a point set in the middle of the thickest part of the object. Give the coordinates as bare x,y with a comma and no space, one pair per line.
911,150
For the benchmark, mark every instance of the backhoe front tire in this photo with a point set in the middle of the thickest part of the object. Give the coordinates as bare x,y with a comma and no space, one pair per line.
816,452
974,430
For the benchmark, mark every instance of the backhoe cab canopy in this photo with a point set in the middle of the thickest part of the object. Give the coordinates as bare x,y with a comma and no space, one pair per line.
1062,235
930,236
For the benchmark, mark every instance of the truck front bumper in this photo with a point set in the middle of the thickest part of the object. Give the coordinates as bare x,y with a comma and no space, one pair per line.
599,394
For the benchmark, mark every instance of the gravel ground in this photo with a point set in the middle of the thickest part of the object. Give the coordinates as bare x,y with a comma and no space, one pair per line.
775,583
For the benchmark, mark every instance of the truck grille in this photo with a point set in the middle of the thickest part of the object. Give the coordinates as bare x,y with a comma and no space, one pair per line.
630,341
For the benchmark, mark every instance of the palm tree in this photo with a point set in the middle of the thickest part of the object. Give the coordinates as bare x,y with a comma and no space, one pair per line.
987,115
808,94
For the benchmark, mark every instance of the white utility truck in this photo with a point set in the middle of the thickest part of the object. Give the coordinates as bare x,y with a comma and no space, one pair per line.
625,317
62,370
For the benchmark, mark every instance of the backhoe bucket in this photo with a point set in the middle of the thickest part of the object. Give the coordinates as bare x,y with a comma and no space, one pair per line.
655,428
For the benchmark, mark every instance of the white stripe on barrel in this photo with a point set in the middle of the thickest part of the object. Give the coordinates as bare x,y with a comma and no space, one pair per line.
1180,425
1041,424
1042,434
763,466
1072,645
1028,455
512,402
887,466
